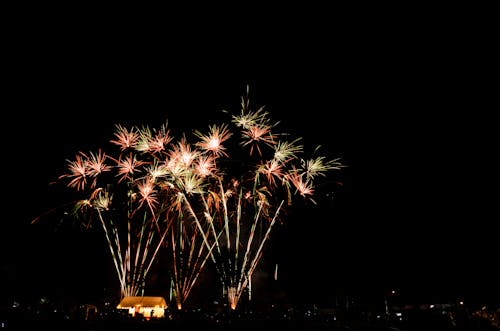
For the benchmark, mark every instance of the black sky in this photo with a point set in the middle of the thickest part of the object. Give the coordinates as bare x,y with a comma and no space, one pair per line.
402,100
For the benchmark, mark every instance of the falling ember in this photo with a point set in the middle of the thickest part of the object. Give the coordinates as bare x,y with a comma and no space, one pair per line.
276,272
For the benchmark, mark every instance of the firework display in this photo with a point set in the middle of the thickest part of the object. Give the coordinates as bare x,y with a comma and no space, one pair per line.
212,196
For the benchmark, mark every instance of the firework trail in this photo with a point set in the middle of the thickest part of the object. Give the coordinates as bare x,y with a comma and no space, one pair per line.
121,194
139,199
212,198
239,200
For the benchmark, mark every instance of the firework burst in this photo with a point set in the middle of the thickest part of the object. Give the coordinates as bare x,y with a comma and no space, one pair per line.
195,198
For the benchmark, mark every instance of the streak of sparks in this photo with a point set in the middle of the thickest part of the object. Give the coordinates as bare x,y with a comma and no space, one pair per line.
180,197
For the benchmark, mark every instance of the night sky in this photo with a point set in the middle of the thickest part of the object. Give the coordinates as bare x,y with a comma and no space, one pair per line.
402,102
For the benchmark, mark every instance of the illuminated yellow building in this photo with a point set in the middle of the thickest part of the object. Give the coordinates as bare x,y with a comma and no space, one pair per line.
145,306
